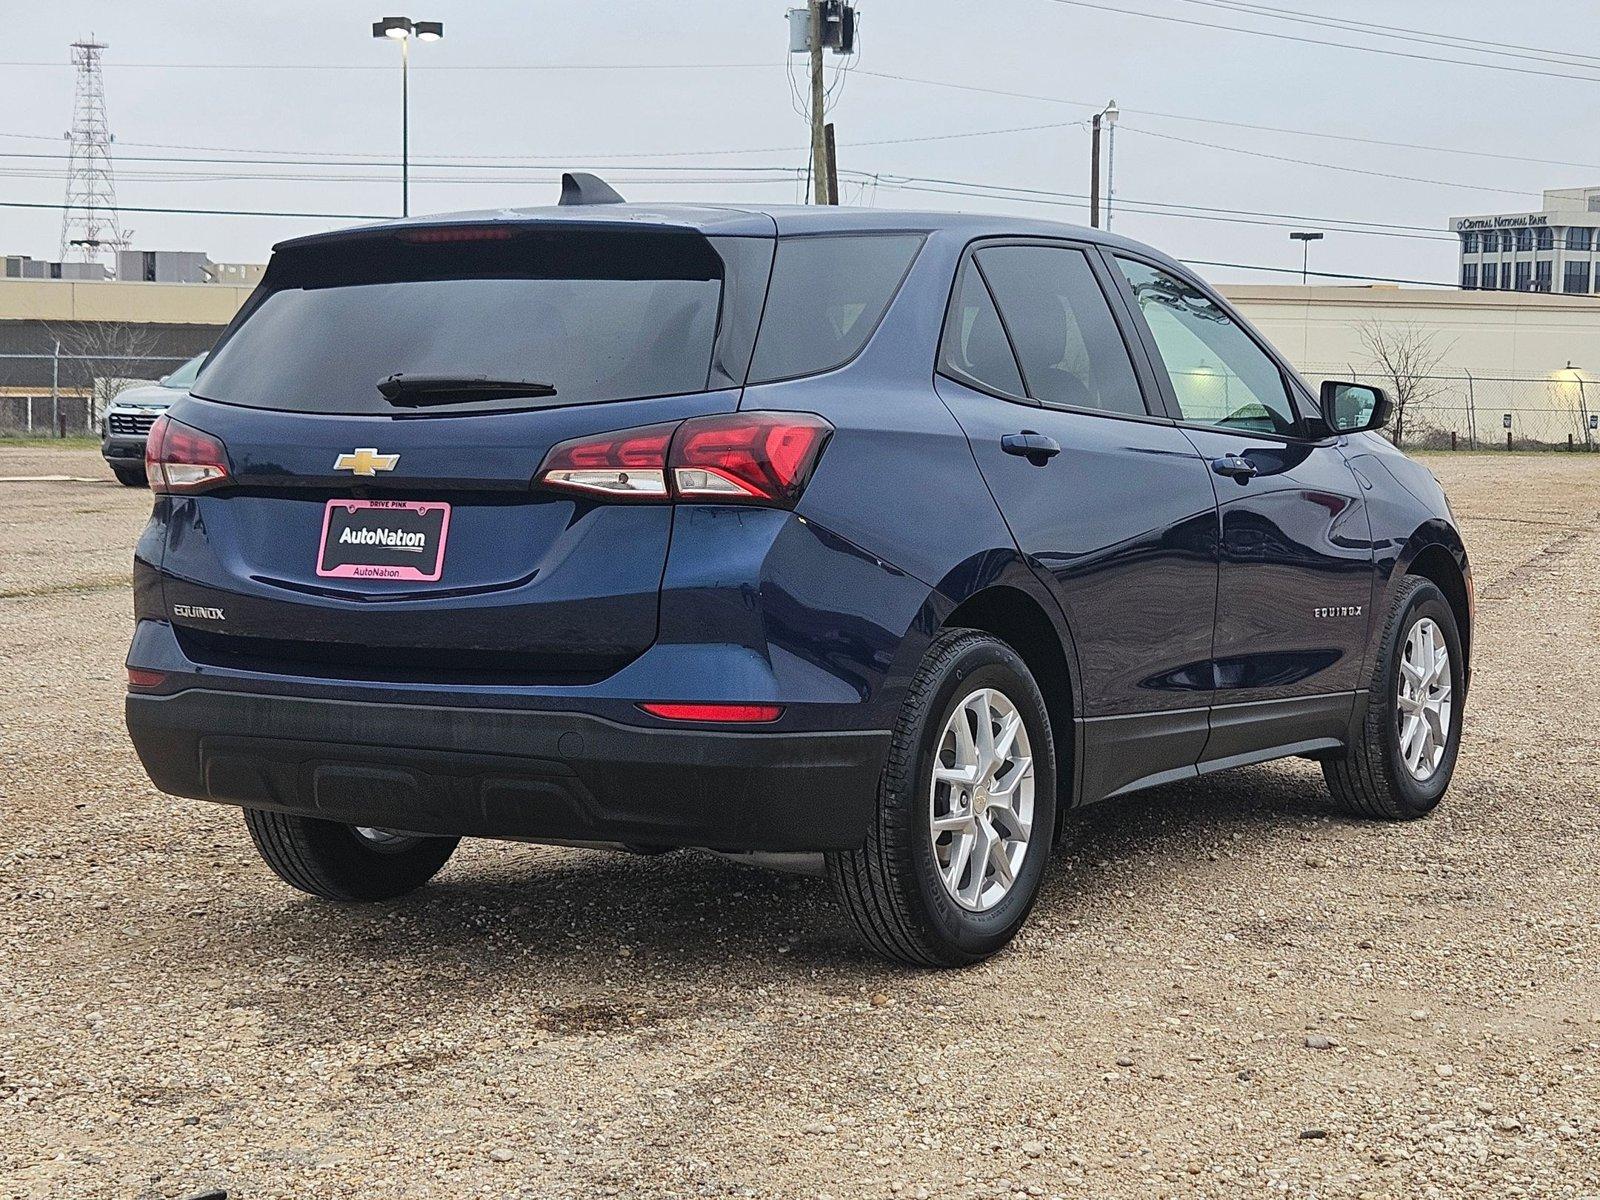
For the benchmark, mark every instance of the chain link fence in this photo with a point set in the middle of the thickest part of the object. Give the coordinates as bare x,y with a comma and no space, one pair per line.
65,395
1560,411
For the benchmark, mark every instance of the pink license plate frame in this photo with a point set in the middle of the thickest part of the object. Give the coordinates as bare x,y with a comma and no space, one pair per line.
379,570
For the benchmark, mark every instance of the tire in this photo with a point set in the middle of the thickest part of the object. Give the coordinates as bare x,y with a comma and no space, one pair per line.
131,476
893,888
335,862
1372,778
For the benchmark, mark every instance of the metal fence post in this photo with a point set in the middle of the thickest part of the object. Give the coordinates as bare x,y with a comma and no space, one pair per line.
1472,411
55,387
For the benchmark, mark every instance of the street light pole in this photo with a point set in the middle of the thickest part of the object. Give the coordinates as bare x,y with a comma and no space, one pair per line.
1305,239
402,30
1109,115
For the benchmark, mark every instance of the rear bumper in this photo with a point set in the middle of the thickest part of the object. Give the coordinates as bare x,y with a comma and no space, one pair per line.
511,773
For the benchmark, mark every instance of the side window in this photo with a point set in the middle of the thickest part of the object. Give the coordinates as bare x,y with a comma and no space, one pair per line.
974,346
1066,339
827,295
1219,375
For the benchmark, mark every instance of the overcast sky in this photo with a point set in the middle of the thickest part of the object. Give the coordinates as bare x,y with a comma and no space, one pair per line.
701,86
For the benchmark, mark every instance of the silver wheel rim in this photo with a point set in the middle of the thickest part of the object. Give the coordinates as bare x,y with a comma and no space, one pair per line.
1422,699
980,803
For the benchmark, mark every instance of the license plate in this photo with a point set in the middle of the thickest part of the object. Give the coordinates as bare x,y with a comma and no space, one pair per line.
383,539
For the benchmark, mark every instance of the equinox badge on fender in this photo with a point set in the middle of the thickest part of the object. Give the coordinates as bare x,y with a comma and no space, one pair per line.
365,461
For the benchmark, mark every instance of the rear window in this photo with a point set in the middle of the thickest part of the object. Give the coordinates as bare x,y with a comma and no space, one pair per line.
828,294
595,315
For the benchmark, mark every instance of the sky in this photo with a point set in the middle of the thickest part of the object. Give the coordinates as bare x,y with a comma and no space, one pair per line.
291,105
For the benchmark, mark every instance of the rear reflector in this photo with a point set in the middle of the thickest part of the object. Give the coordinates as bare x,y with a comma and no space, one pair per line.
178,458
743,458
731,713
140,678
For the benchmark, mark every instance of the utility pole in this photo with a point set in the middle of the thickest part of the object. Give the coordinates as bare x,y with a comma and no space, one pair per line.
820,191
1094,172
833,163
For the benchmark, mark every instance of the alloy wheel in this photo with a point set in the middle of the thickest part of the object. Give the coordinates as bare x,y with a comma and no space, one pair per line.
980,810
1422,700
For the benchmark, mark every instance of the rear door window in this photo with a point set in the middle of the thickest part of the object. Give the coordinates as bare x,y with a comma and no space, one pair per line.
1067,342
1219,375
828,293
595,315
974,348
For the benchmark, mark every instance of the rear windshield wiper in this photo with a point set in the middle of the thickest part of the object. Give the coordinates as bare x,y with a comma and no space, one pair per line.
457,389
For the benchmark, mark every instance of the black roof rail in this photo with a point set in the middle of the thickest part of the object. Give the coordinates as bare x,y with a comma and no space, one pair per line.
580,187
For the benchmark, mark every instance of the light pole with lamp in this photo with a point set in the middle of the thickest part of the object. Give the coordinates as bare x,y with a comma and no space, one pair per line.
1109,115
402,30
1305,239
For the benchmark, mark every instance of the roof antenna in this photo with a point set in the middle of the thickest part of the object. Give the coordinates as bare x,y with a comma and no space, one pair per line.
580,187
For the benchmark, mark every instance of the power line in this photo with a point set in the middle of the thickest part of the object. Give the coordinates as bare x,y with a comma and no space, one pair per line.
1202,262
1169,137
1545,53
219,212
1310,41
342,67
1189,117
241,212
1152,208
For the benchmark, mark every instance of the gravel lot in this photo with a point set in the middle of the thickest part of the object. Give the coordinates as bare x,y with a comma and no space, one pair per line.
553,1023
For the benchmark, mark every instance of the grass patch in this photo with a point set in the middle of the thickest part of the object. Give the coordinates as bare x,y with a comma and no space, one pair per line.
25,442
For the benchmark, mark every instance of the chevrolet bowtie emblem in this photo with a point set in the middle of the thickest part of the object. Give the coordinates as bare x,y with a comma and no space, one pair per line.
365,461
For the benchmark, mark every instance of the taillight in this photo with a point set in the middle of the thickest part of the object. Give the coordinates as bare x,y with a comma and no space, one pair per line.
764,458
138,677
179,458
746,458
629,464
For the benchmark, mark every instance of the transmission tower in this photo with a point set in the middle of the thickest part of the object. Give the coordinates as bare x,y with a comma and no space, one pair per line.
90,230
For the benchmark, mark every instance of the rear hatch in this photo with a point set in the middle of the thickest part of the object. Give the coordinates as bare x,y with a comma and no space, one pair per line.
393,532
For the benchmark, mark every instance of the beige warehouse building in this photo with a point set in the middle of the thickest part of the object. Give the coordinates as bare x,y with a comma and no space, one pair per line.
1514,347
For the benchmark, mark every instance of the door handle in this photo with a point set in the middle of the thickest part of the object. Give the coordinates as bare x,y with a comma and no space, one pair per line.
1235,466
1037,448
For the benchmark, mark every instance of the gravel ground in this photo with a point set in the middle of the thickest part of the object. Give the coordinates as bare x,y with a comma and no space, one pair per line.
1226,989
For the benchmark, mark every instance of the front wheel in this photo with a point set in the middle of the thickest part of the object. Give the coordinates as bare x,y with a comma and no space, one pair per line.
1400,763
966,811
133,477
345,862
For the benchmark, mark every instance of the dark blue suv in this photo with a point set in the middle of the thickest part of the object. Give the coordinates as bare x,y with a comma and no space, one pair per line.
853,541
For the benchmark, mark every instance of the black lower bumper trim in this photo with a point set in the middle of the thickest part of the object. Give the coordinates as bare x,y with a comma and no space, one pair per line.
558,776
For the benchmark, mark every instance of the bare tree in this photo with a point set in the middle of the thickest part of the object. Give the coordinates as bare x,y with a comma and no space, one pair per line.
1408,359
106,357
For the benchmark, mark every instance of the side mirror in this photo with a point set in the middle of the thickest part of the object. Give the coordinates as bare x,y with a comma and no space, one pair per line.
1354,407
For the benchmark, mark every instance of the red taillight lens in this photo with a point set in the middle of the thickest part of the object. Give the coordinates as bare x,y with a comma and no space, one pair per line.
764,458
745,458
731,713
630,464
178,458
138,677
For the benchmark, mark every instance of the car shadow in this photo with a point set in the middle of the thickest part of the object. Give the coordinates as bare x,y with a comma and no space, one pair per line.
502,908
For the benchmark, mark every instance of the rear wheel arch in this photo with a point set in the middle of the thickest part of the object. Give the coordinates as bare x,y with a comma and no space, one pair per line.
1023,623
